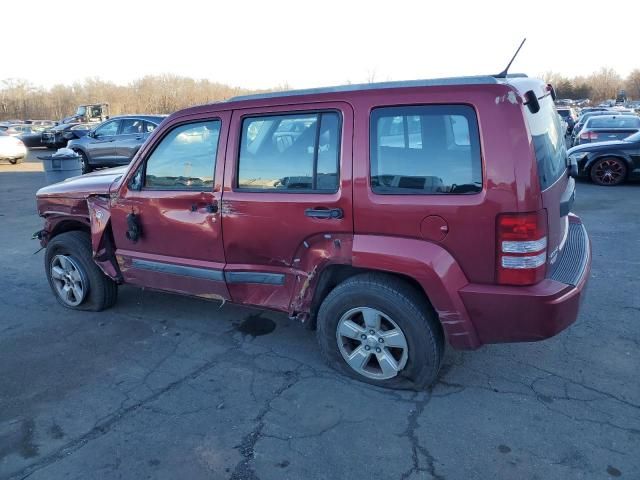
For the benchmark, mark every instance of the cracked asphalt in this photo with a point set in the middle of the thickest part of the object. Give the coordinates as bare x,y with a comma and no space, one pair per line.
167,387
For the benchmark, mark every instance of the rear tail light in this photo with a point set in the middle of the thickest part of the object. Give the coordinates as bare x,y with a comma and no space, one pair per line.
522,248
589,136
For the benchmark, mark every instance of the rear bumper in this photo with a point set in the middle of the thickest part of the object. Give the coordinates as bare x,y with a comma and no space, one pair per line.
523,314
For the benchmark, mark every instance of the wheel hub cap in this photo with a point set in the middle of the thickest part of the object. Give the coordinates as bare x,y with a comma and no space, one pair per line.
371,343
68,280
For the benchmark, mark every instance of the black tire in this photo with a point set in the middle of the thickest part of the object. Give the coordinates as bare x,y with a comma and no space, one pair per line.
102,292
409,310
608,172
13,161
84,162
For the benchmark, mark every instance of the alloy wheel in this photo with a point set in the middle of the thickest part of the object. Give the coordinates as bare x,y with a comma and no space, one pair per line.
609,172
69,280
371,343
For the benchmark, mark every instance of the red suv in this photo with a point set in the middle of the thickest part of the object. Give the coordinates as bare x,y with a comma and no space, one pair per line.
391,217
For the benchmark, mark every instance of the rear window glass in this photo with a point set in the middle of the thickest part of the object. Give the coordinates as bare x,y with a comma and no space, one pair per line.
431,149
564,113
548,143
619,122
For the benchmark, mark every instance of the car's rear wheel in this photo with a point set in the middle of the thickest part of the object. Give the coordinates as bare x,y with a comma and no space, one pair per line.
84,162
380,330
75,279
609,172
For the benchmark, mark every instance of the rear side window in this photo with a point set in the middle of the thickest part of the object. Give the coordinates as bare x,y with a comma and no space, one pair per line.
430,149
185,158
293,152
131,126
548,142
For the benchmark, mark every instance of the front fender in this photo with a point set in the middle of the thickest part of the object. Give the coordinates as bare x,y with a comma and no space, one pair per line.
101,238
433,268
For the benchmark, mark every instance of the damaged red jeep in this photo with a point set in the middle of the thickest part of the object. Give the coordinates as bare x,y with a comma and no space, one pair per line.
391,217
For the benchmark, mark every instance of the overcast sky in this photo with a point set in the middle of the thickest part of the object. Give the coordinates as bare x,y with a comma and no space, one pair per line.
263,43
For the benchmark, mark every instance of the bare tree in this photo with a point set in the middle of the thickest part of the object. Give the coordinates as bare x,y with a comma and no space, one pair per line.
632,84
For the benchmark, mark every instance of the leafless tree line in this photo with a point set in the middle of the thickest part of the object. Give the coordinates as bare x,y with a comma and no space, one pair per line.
19,99
151,94
604,84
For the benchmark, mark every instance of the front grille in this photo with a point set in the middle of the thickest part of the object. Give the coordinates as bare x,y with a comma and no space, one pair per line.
573,261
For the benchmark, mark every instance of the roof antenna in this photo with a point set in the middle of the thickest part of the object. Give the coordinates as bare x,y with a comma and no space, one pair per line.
503,74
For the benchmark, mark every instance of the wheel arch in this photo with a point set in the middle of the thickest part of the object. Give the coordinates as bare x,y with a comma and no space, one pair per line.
67,225
601,155
425,266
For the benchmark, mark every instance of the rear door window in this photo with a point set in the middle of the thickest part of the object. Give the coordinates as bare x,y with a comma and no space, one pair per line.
131,126
291,152
427,149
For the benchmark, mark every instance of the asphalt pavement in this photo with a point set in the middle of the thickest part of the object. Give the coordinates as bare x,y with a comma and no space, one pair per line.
167,387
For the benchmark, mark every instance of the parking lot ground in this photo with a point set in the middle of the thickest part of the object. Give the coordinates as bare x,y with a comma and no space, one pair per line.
167,387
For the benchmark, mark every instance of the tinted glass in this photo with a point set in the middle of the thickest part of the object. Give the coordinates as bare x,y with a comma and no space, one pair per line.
548,142
618,122
185,158
633,138
564,113
109,128
290,152
425,150
131,126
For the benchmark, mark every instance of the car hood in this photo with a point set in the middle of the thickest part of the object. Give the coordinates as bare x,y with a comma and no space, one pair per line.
592,147
95,183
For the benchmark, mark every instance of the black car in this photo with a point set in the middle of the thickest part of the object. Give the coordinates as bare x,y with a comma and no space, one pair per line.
608,163
56,137
115,141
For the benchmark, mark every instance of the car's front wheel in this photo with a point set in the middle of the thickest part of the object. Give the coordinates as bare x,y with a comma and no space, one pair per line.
75,279
380,330
609,172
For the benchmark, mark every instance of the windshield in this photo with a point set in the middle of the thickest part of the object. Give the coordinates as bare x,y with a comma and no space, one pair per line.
613,122
564,113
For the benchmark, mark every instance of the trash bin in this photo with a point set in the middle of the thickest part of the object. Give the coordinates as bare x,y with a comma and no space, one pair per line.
60,167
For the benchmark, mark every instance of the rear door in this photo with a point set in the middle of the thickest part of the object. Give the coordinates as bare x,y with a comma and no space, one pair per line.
287,197
101,146
129,139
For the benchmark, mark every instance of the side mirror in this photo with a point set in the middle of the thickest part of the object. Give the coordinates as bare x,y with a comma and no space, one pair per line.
91,134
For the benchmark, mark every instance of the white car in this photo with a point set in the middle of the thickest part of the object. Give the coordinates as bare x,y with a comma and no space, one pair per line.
11,148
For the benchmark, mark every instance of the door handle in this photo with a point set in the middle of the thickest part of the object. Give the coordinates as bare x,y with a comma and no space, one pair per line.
332,213
209,207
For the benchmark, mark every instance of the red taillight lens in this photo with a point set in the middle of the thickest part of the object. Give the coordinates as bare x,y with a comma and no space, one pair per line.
522,247
589,136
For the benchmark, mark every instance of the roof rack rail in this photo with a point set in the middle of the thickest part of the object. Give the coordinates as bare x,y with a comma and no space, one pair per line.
434,82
